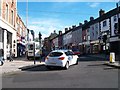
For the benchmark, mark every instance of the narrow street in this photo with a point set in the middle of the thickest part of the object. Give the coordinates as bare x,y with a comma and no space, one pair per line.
89,73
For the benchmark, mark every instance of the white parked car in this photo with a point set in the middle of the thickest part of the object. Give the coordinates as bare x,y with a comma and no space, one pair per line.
62,58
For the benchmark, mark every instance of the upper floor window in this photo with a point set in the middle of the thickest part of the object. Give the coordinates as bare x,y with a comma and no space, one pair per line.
6,15
96,26
104,23
12,17
12,1
115,18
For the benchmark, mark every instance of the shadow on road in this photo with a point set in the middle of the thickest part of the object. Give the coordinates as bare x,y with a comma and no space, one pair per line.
97,65
101,65
109,68
39,68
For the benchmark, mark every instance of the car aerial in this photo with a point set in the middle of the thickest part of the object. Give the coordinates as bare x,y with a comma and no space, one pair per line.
61,58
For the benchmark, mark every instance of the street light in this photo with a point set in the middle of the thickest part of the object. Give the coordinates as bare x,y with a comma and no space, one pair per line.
40,37
33,34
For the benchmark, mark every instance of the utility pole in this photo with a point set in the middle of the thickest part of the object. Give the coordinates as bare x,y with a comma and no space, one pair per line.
40,44
33,34
117,5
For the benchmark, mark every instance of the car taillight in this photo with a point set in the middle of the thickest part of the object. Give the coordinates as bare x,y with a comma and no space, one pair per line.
61,58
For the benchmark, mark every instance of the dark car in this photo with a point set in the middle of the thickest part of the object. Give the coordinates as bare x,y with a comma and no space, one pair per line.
76,52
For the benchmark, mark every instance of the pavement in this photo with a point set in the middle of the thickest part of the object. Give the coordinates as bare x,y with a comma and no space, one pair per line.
115,64
18,64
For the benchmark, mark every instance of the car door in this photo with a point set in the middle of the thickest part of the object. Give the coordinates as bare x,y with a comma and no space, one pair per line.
70,57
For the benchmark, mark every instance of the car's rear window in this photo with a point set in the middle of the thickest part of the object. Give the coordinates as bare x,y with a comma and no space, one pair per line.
55,54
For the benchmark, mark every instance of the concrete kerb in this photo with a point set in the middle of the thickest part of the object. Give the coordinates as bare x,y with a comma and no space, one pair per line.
116,65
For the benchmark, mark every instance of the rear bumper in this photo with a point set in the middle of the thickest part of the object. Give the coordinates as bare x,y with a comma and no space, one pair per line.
60,64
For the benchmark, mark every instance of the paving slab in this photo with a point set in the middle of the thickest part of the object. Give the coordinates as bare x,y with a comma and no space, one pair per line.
16,65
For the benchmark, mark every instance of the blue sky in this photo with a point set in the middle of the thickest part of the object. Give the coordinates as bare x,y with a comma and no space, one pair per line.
49,16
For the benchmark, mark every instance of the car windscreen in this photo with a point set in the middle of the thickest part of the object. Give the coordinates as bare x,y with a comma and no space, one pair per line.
55,54
30,47
75,50
69,53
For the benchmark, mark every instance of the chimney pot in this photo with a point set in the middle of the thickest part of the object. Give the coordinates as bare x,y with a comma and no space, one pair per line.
80,24
91,18
66,29
73,26
101,12
85,21
60,32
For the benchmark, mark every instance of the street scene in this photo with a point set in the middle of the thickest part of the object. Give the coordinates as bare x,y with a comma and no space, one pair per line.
59,44
89,73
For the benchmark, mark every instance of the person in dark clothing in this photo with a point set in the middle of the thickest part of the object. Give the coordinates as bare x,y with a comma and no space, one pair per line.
1,57
10,57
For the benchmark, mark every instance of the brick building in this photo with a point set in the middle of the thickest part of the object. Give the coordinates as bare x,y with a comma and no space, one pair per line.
8,13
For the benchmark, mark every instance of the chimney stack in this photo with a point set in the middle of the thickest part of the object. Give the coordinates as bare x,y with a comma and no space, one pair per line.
101,12
74,26
80,24
60,32
54,31
69,28
91,18
85,21
66,29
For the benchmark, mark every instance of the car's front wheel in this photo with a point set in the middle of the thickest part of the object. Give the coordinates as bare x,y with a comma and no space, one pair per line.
67,65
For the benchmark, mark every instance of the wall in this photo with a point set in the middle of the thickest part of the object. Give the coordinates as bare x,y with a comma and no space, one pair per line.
94,31
0,7
112,24
7,24
77,36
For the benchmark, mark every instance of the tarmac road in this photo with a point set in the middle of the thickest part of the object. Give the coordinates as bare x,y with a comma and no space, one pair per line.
89,73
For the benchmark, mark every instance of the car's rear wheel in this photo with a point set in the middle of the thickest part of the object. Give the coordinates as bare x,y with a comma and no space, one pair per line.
76,62
67,65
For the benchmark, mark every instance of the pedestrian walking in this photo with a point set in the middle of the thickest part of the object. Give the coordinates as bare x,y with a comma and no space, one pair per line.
1,57
10,57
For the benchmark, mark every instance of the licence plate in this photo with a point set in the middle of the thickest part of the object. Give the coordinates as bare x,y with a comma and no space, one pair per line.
53,63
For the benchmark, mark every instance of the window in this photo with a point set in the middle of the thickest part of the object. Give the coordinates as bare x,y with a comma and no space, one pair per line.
69,53
12,1
6,15
115,18
30,47
104,23
55,54
96,26
12,18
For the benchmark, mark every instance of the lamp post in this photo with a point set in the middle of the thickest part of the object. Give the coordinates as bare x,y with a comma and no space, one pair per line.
117,5
33,34
40,43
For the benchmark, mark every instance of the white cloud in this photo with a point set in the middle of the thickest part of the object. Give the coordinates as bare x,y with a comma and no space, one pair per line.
44,25
93,5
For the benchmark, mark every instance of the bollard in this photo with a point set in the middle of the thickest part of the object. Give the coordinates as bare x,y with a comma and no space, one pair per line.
112,57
